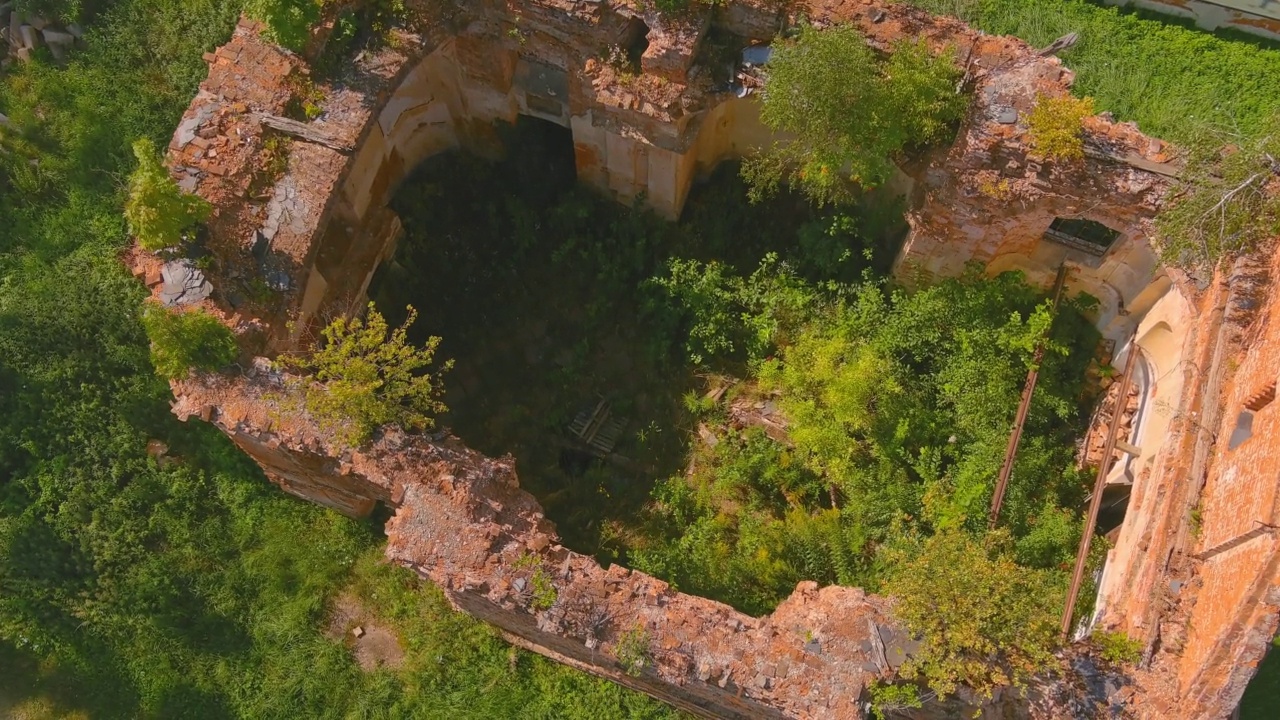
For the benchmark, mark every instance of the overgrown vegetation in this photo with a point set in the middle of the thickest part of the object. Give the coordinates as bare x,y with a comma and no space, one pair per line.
1172,80
175,586
1056,126
1210,95
850,113
184,341
896,406
184,586
159,213
887,699
363,375
1228,199
288,22
1117,647
632,649
984,619
897,410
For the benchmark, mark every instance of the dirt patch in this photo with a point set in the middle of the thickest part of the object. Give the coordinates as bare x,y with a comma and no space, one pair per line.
373,645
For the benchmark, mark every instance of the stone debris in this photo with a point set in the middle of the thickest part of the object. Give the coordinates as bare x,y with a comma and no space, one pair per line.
183,284
22,33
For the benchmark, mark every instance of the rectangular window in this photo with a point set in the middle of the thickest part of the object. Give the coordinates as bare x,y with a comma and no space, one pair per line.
1084,235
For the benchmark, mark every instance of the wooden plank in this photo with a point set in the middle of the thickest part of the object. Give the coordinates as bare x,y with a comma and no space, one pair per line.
303,131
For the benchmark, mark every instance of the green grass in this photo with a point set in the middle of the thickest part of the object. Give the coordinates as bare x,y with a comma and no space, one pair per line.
1168,78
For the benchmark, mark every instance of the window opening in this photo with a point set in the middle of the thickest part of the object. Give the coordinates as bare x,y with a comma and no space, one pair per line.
1262,398
1085,235
633,43
1244,421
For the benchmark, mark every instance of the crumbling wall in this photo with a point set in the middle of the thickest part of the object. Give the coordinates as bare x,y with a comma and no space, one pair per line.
462,521
1195,569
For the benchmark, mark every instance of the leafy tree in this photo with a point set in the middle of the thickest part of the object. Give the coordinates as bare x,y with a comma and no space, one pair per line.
157,210
984,620
365,376
288,22
185,341
1056,126
1227,200
850,113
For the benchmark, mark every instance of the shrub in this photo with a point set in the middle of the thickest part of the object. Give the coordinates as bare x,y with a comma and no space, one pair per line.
184,341
887,698
1118,648
365,376
985,621
288,22
632,650
1228,199
849,113
1056,127
157,210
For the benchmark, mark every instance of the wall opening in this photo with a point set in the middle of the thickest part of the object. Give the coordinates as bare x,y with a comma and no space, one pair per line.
1244,421
633,42
1087,236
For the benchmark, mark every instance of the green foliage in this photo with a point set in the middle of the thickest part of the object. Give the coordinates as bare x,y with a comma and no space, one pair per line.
305,98
364,376
178,589
887,698
1056,127
157,210
632,649
1171,79
544,591
1227,200
726,315
898,410
1117,647
1262,696
288,22
850,113
185,341
985,621
65,10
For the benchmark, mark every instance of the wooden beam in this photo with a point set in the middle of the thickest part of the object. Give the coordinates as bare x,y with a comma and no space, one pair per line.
303,131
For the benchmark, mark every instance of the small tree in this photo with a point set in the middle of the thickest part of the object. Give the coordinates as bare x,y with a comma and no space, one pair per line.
1056,126
185,341
1228,198
365,376
157,209
984,620
849,113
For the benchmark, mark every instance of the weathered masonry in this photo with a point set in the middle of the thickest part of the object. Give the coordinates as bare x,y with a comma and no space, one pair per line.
317,230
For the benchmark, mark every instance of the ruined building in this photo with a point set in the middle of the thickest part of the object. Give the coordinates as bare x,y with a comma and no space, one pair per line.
1203,599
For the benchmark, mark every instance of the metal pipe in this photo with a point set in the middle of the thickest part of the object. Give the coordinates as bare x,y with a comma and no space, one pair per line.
1091,521
1028,388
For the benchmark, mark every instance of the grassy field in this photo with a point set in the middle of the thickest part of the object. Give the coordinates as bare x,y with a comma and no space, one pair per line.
1168,78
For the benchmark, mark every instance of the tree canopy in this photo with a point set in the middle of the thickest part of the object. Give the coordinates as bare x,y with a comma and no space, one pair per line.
850,112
